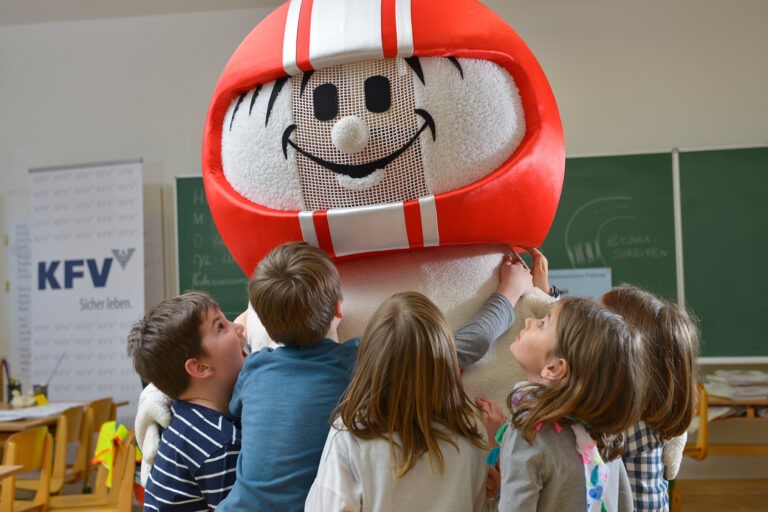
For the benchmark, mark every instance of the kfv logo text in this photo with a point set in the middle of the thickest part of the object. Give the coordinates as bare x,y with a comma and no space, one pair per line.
58,274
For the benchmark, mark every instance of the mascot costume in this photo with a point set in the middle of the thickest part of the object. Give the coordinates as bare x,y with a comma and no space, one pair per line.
412,140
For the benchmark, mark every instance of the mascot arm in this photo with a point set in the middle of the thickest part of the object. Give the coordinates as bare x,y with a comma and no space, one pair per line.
474,339
153,415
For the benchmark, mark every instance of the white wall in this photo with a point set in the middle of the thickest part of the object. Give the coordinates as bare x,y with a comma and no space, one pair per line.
628,76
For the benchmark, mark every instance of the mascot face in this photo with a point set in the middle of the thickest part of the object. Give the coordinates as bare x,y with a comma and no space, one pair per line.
371,126
372,132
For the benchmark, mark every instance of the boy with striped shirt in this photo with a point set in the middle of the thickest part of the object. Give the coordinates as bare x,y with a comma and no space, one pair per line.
192,353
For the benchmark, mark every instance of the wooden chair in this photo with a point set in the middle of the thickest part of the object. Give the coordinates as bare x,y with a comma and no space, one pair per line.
697,449
68,430
32,449
97,413
119,497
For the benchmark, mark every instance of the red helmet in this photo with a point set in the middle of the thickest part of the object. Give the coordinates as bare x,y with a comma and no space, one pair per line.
513,205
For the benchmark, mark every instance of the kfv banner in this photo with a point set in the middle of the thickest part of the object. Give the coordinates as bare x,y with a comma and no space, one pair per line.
87,236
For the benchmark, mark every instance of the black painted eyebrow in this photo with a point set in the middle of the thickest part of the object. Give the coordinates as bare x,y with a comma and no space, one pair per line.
455,62
279,83
253,98
416,67
237,106
304,80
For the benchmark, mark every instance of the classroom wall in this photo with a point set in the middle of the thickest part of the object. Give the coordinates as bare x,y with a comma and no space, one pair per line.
629,77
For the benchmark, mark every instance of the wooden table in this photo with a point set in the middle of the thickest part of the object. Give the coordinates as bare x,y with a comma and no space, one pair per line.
734,448
26,424
8,428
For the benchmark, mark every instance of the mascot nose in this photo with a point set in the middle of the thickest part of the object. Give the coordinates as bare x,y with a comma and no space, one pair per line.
350,134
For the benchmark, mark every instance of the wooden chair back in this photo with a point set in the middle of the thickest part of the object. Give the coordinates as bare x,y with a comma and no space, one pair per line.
698,449
32,449
97,413
67,431
124,486
119,497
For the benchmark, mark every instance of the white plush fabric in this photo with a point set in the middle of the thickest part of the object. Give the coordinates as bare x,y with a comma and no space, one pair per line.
479,120
252,154
154,414
257,335
458,280
673,455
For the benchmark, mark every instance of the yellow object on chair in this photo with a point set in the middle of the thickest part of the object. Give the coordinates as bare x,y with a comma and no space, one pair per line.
111,437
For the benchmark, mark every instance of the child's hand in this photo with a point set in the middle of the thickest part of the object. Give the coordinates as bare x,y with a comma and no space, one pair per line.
493,483
539,269
514,279
492,417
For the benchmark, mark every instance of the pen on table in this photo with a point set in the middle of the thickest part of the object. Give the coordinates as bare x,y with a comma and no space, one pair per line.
7,371
54,369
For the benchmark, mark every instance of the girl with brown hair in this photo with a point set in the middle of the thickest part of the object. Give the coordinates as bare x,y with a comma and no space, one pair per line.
560,448
672,346
406,436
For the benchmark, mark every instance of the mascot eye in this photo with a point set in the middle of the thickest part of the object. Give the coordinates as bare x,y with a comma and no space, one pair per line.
377,94
326,102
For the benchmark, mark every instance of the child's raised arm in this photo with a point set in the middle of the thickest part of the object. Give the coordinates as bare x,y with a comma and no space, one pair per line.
497,314
539,269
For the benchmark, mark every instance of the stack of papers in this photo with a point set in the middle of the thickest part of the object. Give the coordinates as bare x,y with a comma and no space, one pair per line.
738,384
40,411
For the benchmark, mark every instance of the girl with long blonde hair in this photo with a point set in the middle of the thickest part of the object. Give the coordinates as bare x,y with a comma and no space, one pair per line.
406,436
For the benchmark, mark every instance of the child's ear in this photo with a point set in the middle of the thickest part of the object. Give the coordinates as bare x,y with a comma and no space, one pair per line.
556,370
198,368
338,313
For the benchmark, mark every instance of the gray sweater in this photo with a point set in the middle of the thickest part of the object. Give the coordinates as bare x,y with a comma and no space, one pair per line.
474,339
549,475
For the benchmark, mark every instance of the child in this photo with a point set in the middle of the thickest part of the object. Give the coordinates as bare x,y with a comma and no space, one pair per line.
583,364
189,351
405,436
672,346
297,297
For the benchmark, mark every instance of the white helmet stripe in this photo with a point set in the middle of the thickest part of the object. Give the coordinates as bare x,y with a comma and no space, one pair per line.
372,228
289,38
368,229
429,221
341,31
404,28
307,224
344,28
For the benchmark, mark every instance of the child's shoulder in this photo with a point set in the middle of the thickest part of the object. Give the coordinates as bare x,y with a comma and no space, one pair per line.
202,427
550,437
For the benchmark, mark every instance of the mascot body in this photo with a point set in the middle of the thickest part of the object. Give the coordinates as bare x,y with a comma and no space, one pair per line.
409,140
414,141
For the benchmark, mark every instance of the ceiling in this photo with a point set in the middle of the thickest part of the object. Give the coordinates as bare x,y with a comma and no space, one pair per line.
20,12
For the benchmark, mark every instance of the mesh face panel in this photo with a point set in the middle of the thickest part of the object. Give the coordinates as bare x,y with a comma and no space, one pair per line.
403,178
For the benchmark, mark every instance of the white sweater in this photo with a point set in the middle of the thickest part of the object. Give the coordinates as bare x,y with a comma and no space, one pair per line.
356,475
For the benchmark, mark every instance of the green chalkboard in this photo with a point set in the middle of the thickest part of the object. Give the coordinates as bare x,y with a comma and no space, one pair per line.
618,212
204,263
724,217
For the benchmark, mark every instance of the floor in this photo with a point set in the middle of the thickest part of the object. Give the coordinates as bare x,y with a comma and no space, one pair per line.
723,495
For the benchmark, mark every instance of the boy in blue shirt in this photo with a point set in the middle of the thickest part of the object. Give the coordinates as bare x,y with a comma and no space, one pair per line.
285,396
192,353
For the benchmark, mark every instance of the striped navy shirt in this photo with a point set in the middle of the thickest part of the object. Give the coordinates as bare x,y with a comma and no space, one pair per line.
196,462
